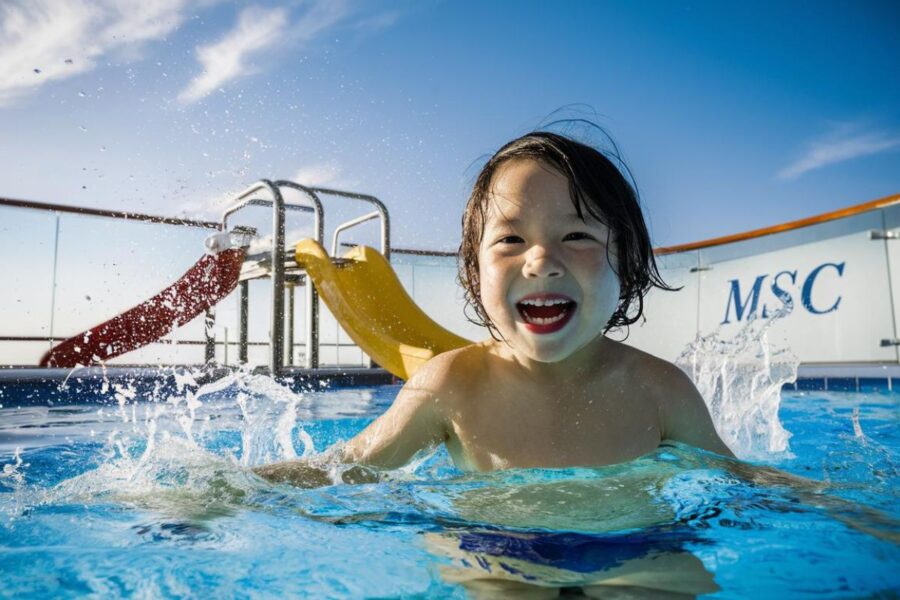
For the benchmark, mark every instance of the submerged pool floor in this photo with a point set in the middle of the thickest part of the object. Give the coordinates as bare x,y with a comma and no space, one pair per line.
121,493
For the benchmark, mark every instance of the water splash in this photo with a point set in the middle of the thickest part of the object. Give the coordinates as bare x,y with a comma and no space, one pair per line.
741,380
186,450
12,477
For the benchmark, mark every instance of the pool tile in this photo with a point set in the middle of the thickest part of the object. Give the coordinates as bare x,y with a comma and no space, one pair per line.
841,384
873,384
811,383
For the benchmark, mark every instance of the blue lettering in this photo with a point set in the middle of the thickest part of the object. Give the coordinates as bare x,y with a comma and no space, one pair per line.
740,306
782,294
806,293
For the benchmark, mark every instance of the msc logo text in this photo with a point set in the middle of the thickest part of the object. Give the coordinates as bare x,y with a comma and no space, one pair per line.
746,305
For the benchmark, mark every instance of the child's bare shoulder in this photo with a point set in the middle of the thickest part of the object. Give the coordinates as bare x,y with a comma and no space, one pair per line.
449,373
682,412
658,378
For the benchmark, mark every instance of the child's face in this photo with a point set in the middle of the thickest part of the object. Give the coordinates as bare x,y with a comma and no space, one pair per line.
546,281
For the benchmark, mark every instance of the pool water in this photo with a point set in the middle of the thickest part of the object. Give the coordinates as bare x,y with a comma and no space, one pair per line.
121,492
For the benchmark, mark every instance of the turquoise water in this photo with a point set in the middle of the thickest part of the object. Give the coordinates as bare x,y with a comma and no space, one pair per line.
128,493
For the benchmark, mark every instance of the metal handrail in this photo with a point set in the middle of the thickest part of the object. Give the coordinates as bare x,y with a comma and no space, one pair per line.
345,226
382,209
312,295
263,202
97,212
278,267
313,303
276,356
319,213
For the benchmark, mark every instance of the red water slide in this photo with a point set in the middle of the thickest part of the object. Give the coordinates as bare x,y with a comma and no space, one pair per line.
202,286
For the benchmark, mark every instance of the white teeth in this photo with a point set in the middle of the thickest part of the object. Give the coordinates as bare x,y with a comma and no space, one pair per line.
545,321
544,301
541,321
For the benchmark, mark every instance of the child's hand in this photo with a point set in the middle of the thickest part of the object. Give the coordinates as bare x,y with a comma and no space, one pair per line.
302,474
295,472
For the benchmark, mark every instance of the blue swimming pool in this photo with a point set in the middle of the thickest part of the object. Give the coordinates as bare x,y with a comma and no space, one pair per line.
125,491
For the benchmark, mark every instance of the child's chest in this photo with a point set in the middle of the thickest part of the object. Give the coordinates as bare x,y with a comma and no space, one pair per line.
553,428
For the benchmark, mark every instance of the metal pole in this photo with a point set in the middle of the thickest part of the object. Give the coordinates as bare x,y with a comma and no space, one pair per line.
276,358
225,349
53,289
312,325
312,297
290,325
276,329
243,314
210,322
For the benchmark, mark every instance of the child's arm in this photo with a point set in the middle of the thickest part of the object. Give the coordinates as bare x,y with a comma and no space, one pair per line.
412,423
684,416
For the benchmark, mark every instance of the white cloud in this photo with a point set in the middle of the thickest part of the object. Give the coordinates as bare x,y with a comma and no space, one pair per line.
322,15
64,38
319,175
257,28
845,142
50,40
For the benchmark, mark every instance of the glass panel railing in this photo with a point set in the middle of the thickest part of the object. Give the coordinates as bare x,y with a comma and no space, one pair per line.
64,273
27,251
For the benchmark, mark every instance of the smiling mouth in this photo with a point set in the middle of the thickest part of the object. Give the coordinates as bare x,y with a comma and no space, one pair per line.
546,313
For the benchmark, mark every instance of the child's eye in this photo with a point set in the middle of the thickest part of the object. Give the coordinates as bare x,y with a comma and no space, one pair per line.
579,235
509,239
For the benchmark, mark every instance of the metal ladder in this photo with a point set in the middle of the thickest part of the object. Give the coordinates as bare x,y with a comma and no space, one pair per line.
283,269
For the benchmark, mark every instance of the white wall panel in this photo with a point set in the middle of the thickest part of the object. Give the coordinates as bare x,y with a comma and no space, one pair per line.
891,226
839,289
671,317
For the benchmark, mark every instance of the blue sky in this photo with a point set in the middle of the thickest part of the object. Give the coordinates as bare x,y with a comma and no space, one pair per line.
731,116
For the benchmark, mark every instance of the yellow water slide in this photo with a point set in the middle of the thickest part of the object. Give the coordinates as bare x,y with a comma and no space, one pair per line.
363,293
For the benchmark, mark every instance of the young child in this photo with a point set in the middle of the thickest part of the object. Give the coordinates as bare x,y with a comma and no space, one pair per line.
554,255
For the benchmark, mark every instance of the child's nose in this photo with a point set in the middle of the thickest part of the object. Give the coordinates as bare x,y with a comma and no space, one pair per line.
541,263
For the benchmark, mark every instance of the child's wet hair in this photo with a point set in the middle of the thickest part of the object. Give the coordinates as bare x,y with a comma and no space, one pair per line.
597,187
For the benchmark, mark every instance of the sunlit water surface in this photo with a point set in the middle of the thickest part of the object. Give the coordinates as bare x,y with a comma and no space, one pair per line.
119,494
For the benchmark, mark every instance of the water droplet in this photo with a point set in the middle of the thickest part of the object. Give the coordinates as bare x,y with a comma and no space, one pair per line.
82,128
37,70
102,148
69,61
